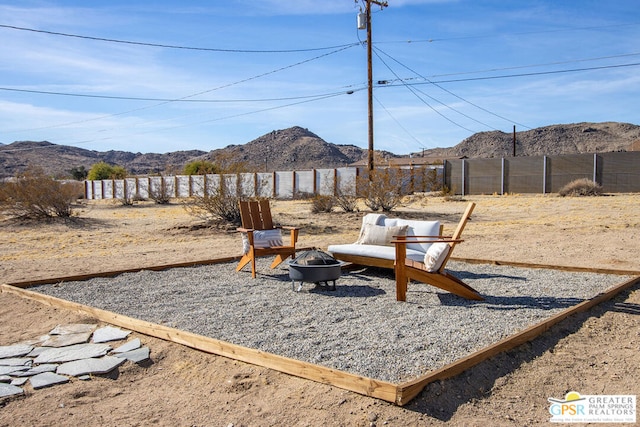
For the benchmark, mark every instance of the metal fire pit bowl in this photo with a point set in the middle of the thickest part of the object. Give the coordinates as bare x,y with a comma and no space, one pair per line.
314,266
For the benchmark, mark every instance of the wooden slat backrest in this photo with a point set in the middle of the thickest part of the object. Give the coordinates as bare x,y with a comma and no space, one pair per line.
265,211
458,232
256,215
245,217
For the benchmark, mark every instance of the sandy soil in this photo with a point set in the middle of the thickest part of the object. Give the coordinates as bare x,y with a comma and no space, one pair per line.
592,353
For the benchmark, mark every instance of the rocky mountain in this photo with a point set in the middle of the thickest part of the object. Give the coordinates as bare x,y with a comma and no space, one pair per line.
288,149
549,140
58,160
298,148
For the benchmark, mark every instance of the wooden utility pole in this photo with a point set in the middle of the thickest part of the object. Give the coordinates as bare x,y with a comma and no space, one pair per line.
382,4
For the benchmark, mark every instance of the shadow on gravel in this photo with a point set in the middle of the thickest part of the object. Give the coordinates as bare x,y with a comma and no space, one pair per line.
441,399
510,303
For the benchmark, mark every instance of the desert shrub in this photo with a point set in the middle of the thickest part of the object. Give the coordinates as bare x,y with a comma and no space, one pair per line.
34,195
200,167
322,203
103,170
449,194
346,202
581,187
431,181
383,191
220,203
161,195
127,201
79,173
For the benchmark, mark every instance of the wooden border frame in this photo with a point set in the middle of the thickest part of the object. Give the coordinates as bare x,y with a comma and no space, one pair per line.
399,394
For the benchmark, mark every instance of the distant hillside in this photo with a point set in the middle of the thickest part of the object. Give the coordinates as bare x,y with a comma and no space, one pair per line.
58,160
288,149
549,140
298,148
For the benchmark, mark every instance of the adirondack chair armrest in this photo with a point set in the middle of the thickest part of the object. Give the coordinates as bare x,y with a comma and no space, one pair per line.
245,230
287,227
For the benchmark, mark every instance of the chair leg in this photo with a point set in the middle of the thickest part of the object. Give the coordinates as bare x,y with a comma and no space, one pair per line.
401,289
452,284
279,259
400,270
243,261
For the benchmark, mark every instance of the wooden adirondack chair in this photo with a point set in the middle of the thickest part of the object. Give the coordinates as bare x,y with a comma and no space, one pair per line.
261,238
407,269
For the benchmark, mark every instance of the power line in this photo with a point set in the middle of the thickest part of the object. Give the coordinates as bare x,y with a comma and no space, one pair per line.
164,100
277,107
182,99
545,64
471,37
505,76
413,91
457,96
398,122
169,46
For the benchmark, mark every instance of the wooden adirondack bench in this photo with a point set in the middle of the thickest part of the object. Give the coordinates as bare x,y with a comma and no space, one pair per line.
434,272
261,237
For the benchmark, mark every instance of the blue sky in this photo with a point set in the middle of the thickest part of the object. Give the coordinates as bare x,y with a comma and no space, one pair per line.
203,75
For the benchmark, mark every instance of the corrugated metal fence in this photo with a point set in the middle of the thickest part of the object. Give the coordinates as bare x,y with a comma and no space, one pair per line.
615,172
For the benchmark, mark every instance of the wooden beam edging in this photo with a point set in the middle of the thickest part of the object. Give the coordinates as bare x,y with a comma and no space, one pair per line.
399,394
87,276
345,380
80,277
549,267
410,389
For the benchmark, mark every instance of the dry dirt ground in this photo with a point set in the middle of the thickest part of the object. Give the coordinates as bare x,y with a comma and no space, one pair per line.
596,352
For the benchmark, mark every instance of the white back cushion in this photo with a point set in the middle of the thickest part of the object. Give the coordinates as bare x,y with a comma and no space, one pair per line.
418,228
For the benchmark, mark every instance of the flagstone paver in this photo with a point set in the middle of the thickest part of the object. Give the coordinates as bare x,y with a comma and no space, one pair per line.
51,359
15,350
73,328
100,365
19,381
136,356
67,339
47,379
72,352
134,344
109,333
16,361
9,390
8,370
47,367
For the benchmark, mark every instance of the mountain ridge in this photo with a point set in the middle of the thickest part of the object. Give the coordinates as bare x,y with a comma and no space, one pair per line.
297,148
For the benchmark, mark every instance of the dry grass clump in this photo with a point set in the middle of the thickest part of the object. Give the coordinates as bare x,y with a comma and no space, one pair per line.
322,203
37,196
581,187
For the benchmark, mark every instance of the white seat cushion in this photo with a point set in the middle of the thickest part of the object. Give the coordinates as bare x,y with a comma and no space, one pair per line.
373,251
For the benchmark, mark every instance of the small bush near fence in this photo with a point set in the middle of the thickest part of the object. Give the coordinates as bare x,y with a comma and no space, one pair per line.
321,203
221,203
383,189
35,195
581,187
162,194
